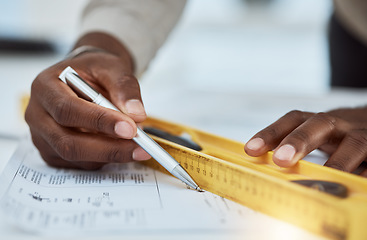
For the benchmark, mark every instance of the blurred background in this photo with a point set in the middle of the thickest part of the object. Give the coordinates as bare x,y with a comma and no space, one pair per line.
219,48
272,45
230,67
245,46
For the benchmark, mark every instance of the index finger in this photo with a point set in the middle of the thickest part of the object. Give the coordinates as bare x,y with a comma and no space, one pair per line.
318,130
268,138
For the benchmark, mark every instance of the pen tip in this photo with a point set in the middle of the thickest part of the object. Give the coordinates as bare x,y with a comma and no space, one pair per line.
199,189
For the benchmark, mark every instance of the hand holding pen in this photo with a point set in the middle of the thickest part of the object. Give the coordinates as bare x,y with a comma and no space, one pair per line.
74,125
71,132
70,77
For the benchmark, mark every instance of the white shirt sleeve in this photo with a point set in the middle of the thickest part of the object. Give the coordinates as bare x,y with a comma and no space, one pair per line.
141,25
353,15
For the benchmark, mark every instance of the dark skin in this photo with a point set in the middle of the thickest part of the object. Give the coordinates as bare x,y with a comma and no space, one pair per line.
71,132
341,133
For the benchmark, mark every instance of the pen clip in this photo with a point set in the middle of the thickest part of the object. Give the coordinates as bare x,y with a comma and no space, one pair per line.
62,75
78,85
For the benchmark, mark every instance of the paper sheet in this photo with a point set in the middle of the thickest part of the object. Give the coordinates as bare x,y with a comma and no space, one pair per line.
119,198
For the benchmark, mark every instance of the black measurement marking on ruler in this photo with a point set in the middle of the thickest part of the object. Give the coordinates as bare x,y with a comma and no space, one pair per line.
332,188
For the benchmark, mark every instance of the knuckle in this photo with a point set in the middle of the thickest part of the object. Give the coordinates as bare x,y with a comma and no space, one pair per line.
28,116
300,137
275,130
119,154
358,138
61,111
37,82
38,143
271,132
295,117
127,81
326,118
65,147
340,165
295,114
115,155
99,120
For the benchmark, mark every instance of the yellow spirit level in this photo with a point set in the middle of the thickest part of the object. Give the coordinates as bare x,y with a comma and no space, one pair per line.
322,200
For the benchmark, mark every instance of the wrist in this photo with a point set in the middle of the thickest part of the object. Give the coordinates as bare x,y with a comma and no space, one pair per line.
102,42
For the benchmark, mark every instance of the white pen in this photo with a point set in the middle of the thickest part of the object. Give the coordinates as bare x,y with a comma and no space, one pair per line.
77,84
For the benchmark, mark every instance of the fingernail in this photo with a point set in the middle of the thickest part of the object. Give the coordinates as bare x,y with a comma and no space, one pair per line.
124,130
139,154
135,107
285,153
255,144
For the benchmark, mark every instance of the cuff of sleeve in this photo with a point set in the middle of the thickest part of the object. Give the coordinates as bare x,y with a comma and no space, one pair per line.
84,49
127,30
